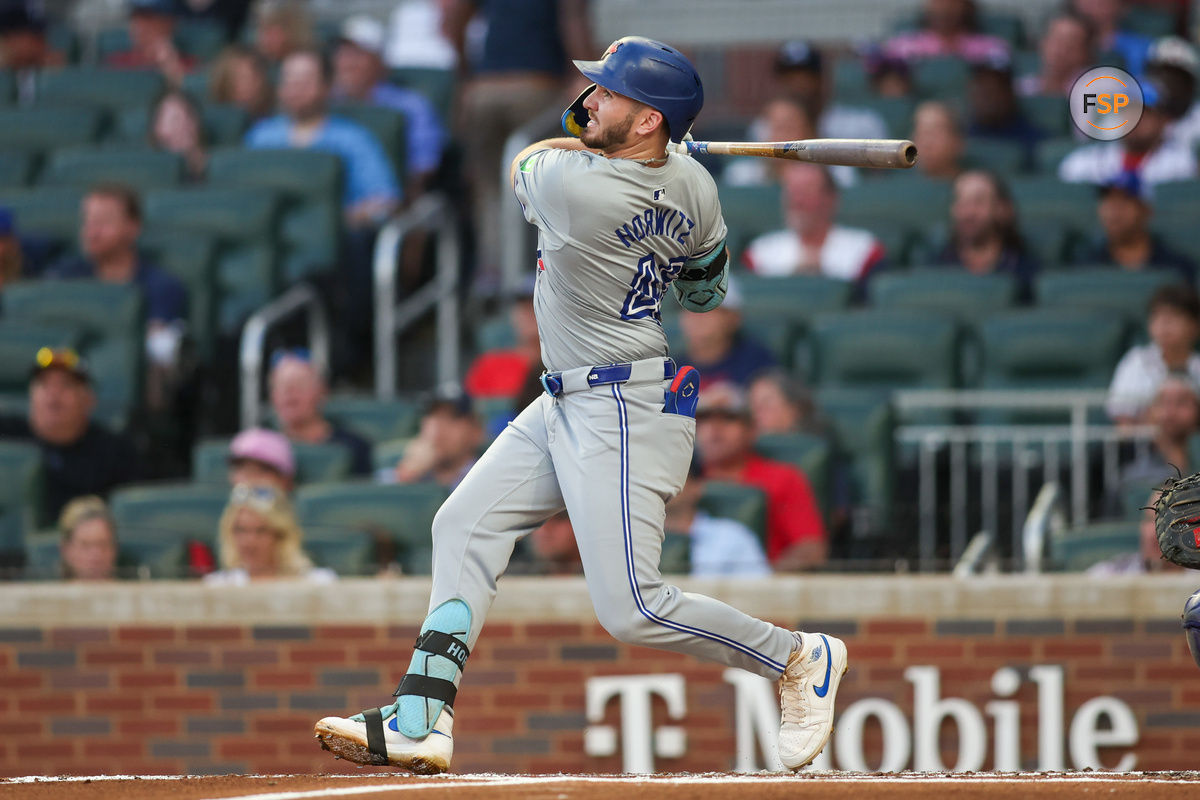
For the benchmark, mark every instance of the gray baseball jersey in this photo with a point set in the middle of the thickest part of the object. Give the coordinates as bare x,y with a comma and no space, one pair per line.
612,234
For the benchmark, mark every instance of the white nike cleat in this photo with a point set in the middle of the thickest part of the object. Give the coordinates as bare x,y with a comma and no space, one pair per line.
351,739
806,694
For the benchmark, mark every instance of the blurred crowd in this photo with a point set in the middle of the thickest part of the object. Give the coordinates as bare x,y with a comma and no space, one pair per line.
158,252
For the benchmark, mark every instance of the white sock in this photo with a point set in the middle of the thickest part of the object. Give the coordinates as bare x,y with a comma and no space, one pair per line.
799,637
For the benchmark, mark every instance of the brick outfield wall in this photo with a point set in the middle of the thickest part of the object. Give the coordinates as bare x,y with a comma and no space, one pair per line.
200,699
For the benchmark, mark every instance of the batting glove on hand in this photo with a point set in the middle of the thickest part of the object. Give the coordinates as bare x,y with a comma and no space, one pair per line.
680,147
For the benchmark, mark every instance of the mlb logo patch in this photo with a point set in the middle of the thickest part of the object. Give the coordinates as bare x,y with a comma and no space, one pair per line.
660,193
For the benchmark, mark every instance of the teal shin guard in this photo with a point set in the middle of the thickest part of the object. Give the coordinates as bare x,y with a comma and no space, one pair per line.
435,669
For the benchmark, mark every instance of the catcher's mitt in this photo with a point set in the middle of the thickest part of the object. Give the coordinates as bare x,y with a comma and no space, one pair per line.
1177,521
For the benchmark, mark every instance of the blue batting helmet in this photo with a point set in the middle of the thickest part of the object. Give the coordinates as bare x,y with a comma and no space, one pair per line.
648,71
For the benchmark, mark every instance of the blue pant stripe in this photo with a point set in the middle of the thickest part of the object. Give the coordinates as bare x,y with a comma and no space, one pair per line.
627,531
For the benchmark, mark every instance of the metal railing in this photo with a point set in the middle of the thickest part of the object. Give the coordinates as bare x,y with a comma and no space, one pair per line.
1018,449
299,298
434,213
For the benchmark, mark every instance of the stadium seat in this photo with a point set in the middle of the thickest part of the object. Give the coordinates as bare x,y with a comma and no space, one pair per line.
1124,292
676,557
117,364
1051,152
95,308
48,212
905,197
310,184
210,462
737,501
496,333
8,88
386,455
19,343
437,85
811,454
1046,197
349,553
1049,115
399,514
777,311
191,257
373,419
1077,549
1000,155
100,88
16,169
897,114
243,222
20,492
140,168
42,556
40,130
314,462
224,125
750,211
949,291
389,127
151,555
891,349
203,39
1052,242
155,519
941,76
1050,349
851,83
863,424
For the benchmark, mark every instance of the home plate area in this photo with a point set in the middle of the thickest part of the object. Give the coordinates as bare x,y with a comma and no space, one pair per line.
813,784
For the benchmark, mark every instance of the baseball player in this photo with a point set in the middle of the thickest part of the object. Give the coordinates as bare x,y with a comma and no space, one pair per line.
621,215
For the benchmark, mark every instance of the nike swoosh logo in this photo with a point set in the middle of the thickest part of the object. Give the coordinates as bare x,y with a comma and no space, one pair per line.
392,724
823,689
439,733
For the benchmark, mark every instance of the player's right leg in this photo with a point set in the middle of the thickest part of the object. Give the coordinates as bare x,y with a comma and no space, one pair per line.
510,491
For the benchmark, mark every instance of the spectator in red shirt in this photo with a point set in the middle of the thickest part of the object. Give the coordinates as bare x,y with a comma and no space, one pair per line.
503,372
796,536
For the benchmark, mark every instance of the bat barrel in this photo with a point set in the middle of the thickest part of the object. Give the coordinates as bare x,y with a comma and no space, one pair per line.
877,153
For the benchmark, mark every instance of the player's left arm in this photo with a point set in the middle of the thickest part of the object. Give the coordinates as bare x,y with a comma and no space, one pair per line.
560,143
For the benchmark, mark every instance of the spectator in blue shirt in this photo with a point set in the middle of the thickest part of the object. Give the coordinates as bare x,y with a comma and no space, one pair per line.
719,347
358,77
109,229
371,192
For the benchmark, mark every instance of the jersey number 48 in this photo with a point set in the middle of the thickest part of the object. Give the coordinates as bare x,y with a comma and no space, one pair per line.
647,287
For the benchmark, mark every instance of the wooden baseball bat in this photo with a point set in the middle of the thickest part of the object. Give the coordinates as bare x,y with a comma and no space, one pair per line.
882,153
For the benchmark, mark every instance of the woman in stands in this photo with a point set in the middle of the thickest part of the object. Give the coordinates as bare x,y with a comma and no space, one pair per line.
177,127
240,78
260,539
89,540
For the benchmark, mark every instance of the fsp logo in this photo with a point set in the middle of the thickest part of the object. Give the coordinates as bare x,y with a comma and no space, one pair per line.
1106,103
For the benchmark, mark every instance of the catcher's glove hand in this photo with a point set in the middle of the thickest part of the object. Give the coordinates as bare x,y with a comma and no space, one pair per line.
1177,521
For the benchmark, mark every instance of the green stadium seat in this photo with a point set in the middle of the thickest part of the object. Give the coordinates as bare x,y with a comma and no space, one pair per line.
949,291
19,343
496,333
1002,156
349,553
16,169
202,39
210,462
95,308
676,557
1051,241
224,125
1051,152
243,222
42,556
373,419
20,492
1005,26
863,425
386,455
192,258
812,454
890,349
49,212
39,130
401,514
390,128
1113,289
1148,21
897,114
168,513
117,364
1046,197
328,461
101,88
1049,115
151,555
438,86
310,184
777,310
750,211
140,168
905,197
8,88
851,83
941,76
1050,348
737,501
1078,549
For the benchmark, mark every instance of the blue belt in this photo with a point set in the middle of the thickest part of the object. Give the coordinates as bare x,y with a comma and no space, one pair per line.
601,376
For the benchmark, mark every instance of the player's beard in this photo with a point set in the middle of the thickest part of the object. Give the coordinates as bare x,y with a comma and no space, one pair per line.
604,139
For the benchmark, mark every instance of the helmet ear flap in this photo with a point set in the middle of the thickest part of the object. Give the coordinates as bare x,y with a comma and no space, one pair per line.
575,118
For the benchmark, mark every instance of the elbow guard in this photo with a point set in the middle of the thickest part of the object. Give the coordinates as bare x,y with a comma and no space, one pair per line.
704,294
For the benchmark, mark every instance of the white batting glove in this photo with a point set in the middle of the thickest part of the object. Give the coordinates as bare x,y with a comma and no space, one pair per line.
680,147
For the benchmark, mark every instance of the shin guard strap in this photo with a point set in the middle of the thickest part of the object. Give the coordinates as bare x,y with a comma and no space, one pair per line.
375,742
425,687
443,644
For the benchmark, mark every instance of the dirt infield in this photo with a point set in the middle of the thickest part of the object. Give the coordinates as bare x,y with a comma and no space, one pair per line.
927,786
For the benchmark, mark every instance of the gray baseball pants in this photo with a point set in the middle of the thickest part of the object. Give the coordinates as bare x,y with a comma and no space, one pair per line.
612,458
